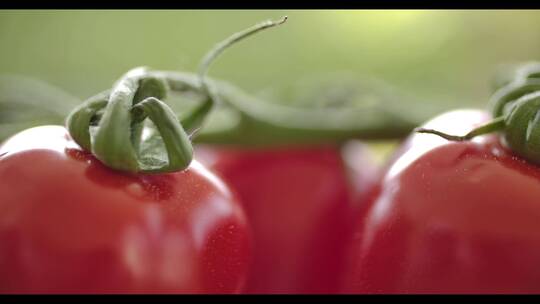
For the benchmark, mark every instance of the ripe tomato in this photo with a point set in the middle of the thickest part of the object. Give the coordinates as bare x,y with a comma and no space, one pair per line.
68,224
299,203
452,217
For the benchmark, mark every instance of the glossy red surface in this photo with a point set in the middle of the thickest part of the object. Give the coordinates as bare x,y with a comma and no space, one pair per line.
452,218
298,201
69,224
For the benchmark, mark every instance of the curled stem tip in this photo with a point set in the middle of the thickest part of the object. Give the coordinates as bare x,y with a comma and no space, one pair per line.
491,126
194,121
221,46
441,134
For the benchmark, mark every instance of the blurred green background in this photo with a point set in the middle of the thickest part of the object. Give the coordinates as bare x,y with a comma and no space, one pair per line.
443,57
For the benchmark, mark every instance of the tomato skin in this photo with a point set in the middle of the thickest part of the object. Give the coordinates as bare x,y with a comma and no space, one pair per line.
299,203
68,224
452,217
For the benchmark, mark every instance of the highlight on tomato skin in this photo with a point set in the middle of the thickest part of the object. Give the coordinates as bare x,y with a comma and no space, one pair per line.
69,224
299,201
451,217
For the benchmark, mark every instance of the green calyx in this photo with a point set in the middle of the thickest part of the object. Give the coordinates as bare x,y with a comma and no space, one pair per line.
522,132
111,126
516,108
130,128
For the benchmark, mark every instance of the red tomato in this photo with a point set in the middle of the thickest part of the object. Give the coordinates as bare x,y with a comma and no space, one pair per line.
452,217
298,202
69,224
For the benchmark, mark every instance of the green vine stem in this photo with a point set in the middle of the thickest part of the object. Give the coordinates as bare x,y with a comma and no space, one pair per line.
245,119
516,112
110,125
263,123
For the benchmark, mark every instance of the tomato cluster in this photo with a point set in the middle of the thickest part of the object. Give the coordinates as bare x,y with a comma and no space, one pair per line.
444,217
119,201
